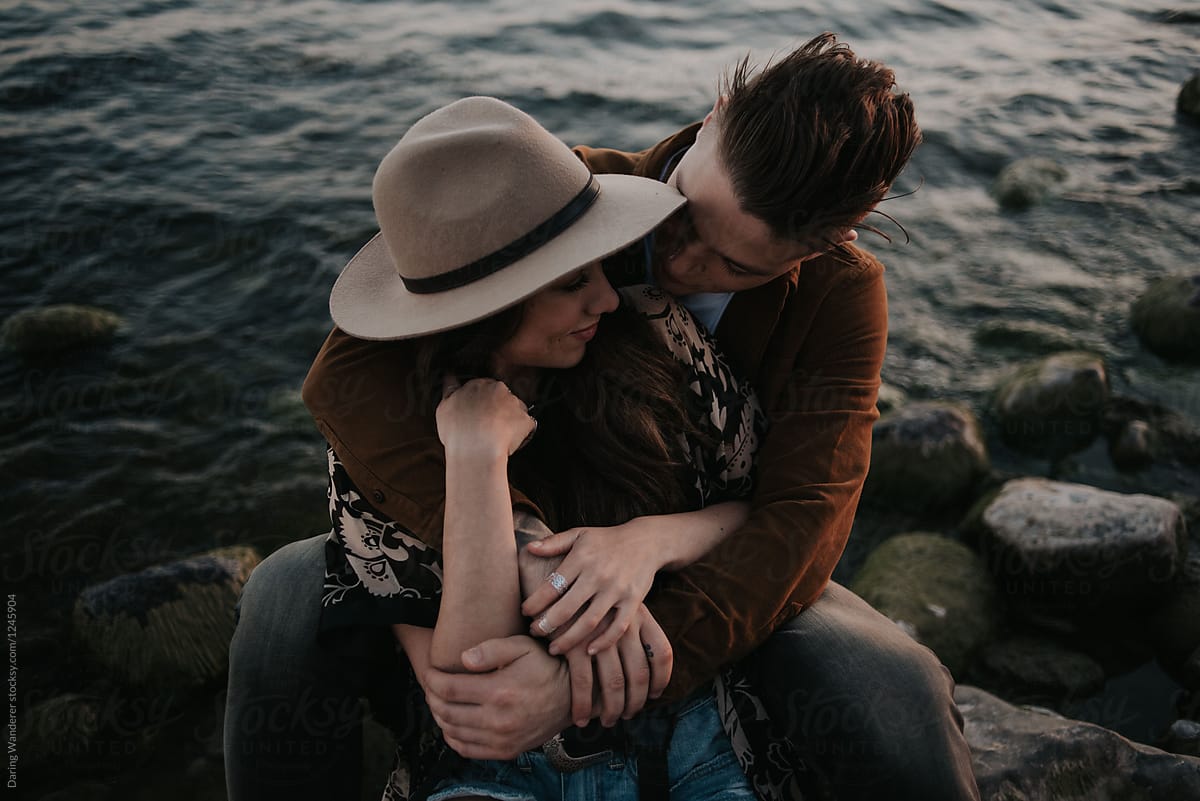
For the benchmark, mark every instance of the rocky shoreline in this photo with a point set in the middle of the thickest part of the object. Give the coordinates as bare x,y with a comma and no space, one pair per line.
1036,590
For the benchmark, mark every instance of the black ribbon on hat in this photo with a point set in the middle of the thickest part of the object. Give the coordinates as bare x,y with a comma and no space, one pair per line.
514,251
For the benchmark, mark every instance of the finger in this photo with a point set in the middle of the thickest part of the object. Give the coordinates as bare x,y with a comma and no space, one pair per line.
658,653
611,678
564,610
546,594
457,688
555,544
450,385
495,654
453,714
637,673
615,631
586,628
580,666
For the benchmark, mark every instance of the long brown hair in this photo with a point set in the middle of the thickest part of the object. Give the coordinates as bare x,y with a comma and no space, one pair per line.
612,431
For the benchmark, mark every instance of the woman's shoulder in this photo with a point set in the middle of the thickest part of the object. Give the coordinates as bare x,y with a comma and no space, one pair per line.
670,319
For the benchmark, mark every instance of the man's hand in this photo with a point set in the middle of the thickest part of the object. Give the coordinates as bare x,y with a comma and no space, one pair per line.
516,698
636,669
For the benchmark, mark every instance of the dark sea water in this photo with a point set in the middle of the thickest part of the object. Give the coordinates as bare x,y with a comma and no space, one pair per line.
204,170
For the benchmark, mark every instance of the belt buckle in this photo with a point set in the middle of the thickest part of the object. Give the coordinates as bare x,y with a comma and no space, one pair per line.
560,760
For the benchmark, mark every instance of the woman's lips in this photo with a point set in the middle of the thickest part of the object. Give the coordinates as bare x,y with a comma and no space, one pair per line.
586,334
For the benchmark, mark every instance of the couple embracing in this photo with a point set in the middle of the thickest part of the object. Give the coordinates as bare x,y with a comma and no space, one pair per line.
598,423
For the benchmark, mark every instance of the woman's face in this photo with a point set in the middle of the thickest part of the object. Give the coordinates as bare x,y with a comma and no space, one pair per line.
557,323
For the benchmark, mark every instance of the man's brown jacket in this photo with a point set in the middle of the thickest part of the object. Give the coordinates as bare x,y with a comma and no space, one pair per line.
812,343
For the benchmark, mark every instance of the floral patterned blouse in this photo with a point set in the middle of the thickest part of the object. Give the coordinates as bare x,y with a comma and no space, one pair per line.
377,573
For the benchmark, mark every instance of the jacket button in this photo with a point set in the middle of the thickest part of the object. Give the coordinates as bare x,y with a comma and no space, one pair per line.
377,496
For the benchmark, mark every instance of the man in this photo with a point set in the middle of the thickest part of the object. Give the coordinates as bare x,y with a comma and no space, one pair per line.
777,176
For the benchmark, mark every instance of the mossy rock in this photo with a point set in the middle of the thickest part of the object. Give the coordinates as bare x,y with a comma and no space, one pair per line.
1166,318
1053,406
1027,182
47,329
926,456
934,588
166,626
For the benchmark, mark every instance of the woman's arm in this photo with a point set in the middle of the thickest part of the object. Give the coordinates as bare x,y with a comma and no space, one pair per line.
480,424
612,568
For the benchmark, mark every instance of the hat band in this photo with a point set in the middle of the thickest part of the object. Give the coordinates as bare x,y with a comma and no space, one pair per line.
514,251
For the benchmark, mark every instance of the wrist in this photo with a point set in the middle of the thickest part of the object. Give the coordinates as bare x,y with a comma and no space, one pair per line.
477,452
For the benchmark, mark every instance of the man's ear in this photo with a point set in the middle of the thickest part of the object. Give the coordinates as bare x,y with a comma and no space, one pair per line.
716,109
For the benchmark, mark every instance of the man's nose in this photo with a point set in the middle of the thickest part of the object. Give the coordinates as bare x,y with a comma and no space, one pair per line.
694,257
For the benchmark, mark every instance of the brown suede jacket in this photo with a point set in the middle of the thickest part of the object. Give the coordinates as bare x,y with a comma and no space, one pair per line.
812,342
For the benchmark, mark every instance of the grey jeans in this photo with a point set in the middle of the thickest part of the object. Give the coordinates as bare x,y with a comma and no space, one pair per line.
871,710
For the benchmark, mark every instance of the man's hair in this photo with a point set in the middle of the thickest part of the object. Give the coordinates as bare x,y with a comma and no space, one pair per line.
813,142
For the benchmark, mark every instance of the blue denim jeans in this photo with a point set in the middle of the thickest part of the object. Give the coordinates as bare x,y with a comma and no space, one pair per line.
872,711
701,766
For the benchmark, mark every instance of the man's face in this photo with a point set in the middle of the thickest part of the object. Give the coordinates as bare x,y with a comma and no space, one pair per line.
711,245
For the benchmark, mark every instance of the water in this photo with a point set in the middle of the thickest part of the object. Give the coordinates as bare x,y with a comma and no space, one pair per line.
204,169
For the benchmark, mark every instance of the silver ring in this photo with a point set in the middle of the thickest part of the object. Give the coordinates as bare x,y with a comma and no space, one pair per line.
545,626
558,581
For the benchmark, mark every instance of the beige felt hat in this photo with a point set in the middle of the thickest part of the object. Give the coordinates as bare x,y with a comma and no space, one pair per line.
480,207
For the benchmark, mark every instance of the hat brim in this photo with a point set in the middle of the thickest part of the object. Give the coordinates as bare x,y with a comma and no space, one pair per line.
370,301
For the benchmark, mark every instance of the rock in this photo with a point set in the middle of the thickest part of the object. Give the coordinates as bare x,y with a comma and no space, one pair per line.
1166,318
1183,738
1028,336
1053,406
1172,436
1174,628
1028,666
58,730
926,456
167,625
934,588
1188,101
890,398
47,329
1068,549
1030,754
1027,182
1133,447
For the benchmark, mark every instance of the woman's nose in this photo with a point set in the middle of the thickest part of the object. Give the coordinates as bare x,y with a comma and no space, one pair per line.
604,298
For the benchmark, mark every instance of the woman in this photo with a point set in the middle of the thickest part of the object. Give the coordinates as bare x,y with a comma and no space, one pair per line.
488,260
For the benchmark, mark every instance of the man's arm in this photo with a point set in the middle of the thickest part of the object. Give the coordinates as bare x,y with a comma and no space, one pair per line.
810,473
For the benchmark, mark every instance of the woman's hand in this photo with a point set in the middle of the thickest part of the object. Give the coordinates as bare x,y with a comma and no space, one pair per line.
482,415
606,569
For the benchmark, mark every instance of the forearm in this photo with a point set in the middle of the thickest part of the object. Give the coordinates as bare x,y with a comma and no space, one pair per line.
481,594
416,642
687,536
